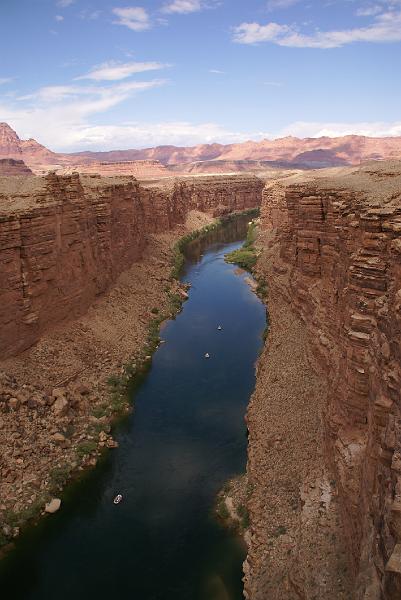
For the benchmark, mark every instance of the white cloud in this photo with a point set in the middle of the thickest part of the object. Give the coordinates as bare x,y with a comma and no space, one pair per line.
216,71
59,18
183,6
140,135
116,93
114,71
57,115
4,80
65,3
273,83
66,118
61,118
385,28
336,129
135,18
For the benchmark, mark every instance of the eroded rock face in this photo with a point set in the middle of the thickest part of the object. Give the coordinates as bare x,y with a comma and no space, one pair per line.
343,253
10,167
10,143
65,242
142,169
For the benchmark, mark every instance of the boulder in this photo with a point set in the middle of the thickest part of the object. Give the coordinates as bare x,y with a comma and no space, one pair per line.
111,443
59,393
14,403
60,406
59,438
53,506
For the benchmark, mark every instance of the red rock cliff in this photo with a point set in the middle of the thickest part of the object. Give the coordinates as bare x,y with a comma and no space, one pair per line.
66,239
10,167
342,248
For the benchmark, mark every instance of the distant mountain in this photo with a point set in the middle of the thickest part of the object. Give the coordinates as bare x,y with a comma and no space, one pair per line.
286,152
33,153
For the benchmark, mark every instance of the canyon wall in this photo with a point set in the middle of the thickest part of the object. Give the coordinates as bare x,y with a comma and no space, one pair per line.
66,240
9,167
341,249
141,169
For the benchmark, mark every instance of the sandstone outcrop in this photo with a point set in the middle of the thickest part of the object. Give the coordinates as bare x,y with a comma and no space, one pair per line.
10,167
141,169
65,241
11,146
335,259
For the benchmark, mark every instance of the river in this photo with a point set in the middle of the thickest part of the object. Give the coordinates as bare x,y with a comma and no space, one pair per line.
185,438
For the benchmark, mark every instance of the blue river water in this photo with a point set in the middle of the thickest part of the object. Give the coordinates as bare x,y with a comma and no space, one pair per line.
185,438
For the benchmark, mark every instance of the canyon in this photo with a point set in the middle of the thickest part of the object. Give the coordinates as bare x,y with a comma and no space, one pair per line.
65,239
83,261
85,269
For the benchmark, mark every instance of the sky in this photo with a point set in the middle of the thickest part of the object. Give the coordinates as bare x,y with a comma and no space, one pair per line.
113,74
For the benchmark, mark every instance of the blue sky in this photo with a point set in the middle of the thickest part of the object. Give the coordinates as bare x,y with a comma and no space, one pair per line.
107,74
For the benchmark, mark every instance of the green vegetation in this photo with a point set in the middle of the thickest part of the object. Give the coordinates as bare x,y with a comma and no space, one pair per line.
262,290
96,428
250,236
114,381
246,256
11,518
60,475
222,510
243,513
100,411
179,248
85,448
14,519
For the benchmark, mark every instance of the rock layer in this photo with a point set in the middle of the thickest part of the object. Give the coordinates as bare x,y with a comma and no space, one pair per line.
10,167
65,243
340,245
141,169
